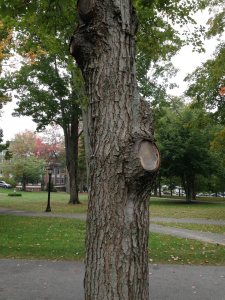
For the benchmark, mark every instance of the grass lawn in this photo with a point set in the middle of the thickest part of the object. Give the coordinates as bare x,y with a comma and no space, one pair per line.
170,208
199,227
37,202
47,238
63,239
159,207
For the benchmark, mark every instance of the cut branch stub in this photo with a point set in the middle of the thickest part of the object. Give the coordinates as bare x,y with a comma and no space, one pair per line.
142,162
149,156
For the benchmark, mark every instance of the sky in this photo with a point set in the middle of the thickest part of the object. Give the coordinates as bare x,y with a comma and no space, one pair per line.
185,61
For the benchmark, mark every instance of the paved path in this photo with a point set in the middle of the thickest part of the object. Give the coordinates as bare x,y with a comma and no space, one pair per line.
188,220
52,280
207,237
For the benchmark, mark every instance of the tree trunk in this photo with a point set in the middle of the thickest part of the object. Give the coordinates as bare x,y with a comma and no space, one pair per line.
71,143
24,183
190,195
189,186
123,158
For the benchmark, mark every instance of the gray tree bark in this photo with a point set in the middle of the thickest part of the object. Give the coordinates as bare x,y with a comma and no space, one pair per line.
123,158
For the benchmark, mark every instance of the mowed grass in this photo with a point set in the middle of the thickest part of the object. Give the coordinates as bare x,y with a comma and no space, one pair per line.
170,208
159,207
63,239
168,249
47,238
37,202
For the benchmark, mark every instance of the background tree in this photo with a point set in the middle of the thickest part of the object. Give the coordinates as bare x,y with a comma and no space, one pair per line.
206,81
218,148
184,141
51,98
49,149
24,166
23,144
5,38
43,31
25,169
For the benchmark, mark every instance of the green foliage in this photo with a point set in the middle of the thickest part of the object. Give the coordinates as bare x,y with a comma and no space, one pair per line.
4,146
184,139
205,82
46,84
158,39
217,20
5,38
41,25
45,27
24,169
45,95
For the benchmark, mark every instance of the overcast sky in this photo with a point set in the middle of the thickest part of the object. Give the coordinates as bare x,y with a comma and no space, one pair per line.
186,61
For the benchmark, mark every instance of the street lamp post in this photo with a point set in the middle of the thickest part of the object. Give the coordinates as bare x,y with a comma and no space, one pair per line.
48,208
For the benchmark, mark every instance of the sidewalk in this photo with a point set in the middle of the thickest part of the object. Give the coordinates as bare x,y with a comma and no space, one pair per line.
52,280
207,237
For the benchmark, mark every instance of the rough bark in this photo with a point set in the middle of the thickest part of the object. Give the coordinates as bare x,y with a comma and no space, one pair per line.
123,158
71,148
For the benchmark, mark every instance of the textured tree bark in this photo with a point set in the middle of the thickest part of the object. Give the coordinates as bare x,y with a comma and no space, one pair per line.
123,158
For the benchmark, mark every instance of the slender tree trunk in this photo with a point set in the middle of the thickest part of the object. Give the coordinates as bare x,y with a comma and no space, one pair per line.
71,143
24,183
189,186
123,158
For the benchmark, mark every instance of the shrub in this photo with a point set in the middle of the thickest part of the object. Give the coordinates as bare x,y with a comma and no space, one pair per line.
15,194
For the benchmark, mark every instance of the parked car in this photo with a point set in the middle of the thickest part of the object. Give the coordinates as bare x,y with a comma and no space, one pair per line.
5,185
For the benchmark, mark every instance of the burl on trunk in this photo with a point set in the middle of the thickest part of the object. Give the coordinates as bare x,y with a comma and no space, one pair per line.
123,158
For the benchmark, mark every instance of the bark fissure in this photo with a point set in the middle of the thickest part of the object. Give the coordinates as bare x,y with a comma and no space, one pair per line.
120,175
